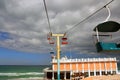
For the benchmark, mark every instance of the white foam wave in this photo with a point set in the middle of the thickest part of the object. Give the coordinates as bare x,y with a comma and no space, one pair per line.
30,78
20,74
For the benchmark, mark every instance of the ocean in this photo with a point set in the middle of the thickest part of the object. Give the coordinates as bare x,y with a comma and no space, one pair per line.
21,72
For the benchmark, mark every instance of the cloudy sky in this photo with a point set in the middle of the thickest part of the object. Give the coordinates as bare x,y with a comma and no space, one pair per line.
24,27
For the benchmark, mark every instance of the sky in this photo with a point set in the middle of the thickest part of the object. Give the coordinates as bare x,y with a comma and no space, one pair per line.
24,29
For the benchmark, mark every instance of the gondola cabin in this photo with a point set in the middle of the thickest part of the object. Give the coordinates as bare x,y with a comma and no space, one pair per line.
51,41
51,52
105,28
64,41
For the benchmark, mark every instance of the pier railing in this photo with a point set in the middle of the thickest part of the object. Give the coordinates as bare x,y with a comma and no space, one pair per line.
84,60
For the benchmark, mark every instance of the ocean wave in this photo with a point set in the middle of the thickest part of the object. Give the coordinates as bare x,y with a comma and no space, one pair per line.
30,78
20,74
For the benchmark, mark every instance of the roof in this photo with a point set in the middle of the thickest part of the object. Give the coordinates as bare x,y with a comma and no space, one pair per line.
109,26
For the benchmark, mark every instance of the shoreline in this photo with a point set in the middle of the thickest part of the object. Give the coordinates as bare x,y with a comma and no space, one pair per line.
35,78
107,77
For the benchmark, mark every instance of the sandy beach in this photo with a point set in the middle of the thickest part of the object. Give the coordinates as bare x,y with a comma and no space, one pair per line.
108,77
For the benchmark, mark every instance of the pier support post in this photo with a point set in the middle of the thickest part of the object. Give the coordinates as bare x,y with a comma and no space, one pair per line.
116,66
94,68
65,75
53,75
88,68
105,66
100,67
111,67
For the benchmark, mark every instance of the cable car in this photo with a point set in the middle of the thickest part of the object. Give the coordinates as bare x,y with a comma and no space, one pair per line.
48,37
51,42
64,41
107,27
51,52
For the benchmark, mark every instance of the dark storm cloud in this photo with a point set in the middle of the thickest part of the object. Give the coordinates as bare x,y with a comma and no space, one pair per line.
26,21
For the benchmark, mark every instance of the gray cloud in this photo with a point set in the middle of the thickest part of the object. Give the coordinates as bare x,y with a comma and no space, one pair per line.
26,21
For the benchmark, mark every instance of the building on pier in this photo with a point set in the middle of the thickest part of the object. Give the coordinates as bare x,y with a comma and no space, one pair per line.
76,69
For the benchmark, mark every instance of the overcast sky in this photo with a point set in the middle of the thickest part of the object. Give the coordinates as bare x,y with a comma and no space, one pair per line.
23,23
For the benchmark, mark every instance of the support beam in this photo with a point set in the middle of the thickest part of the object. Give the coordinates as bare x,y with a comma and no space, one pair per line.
58,52
65,75
94,69
111,67
88,68
100,68
82,66
116,66
105,68
53,75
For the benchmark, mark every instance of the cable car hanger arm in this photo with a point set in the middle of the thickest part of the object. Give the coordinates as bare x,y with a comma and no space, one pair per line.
109,13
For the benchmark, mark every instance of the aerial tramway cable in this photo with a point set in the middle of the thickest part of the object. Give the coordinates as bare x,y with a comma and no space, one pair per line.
51,43
64,35
105,6
47,16
74,26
